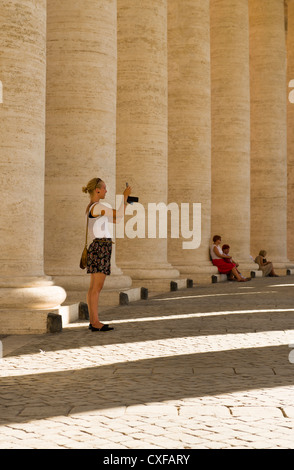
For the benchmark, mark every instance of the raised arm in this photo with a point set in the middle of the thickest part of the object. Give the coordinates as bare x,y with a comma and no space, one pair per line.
114,215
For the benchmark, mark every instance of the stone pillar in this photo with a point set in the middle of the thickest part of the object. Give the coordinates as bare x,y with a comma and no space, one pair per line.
290,127
142,131
189,128
27,296
230,211
80,130
268,130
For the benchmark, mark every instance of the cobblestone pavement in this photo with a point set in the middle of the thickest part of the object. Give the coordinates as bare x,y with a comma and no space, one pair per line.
206,367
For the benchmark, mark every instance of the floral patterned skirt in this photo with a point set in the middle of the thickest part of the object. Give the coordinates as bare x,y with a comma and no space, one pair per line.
99,254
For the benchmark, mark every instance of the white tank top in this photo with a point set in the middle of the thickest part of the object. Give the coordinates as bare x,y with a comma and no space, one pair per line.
212,253
98,227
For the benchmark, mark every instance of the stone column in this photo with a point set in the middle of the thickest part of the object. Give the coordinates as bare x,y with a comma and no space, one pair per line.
268,130
26,294
230,211
142,131
189,128
290,126
80,130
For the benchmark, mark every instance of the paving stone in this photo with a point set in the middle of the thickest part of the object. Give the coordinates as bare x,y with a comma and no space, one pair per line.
288,411
255,411
44,411
206,367
157,410
204,410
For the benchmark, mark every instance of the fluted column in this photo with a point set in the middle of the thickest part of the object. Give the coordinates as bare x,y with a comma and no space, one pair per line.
142,128
230,213
80,129
290,127
26,294
189,128
268,130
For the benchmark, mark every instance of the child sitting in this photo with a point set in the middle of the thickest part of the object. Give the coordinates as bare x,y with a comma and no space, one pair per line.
226,249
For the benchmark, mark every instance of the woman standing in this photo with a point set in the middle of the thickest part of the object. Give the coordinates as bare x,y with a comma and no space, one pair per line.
99,251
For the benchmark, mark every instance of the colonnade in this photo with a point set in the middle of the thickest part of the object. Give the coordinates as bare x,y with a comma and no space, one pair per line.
186,100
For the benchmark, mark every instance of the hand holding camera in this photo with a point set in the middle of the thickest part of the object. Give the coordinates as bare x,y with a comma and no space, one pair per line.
127,192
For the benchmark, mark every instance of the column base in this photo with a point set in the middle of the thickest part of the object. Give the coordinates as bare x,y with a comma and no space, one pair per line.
155,279
77,287
281,266
33,295
201,273
29,322
246,268
81,282
29,305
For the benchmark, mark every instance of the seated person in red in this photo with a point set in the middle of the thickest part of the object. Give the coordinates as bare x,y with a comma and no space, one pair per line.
226,250
223,262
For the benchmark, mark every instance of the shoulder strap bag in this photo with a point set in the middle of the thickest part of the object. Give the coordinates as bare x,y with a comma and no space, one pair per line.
83,260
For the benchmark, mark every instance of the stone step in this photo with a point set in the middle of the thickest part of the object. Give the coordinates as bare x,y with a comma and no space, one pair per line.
218,278
133,294
256,273
181,284
69,313
161,286
79,310
223,277
114,298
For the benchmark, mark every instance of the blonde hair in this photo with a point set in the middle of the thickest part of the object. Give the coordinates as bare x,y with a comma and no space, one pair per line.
92,185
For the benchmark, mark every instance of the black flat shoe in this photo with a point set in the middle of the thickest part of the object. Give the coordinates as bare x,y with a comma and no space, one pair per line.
103,328
90,326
